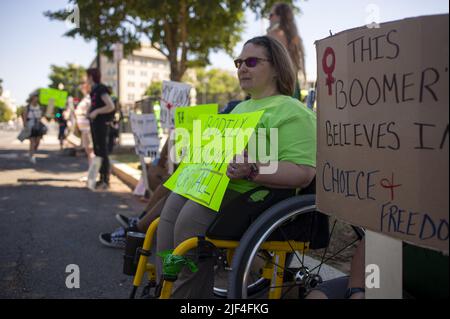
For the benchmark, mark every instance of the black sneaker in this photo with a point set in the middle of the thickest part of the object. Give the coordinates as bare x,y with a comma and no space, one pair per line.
116,239
126,222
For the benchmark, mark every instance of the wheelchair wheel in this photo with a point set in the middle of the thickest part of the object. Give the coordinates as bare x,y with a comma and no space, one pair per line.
293,220
256,284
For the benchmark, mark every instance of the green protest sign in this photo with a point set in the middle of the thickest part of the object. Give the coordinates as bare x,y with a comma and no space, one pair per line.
185,116
184,119
217,138
60,97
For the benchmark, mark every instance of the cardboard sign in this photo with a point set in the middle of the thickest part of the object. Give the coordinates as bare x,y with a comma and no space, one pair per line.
59,97
201,175
145,132
383,131
174,94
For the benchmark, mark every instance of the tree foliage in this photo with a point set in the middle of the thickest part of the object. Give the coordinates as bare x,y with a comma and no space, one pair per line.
154,89
6,113
185,31
70,75
215,86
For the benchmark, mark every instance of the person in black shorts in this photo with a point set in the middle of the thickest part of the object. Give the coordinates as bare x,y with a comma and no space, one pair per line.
101,106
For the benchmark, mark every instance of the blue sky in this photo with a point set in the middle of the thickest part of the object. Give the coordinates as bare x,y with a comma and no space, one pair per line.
30,43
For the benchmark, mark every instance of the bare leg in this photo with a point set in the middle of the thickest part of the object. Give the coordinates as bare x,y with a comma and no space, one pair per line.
38,140
159,193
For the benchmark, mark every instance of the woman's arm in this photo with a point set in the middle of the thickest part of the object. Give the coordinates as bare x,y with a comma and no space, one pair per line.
108,108
287,175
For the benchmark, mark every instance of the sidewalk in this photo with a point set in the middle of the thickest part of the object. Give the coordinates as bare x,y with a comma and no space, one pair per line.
127,174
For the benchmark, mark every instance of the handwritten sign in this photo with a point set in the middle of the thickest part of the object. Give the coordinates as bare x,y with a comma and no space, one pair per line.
174,95
184,119
145,132
59,97
383,131
201,175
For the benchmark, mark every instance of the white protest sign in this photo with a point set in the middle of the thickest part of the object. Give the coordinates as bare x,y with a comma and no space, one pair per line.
174,94
145,133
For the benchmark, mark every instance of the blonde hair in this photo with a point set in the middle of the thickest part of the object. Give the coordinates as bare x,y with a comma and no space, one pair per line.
281,61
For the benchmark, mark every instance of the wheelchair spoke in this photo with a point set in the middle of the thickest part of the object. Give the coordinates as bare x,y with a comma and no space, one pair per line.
334,255
292,248
275,264
326,249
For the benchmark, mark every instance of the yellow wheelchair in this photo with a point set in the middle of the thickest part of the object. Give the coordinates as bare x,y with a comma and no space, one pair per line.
285,247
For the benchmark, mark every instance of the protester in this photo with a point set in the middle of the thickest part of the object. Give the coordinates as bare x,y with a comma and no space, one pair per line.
283,28
101,107
82,120
157,175
62,126
32,119
266,73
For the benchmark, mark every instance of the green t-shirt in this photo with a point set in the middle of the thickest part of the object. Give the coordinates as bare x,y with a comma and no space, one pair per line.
296,124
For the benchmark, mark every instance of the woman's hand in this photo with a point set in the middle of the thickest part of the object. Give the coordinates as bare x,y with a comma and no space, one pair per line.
93,115
239,170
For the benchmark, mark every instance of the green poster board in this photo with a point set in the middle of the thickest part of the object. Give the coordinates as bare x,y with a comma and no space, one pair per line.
184,119
60,97
201,175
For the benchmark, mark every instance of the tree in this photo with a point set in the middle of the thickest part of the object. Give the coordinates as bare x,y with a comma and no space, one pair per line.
70,75
185,31
6,113
154,89
215,86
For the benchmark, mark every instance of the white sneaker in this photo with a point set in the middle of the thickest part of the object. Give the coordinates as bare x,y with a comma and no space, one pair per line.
33,160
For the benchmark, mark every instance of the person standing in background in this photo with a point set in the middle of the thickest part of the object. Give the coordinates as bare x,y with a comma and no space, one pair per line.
83,121
101,106
283,28
32,119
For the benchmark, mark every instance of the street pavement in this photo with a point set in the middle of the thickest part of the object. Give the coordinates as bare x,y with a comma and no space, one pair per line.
50,220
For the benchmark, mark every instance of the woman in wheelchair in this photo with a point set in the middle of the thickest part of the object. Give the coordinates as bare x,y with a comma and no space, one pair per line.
266,73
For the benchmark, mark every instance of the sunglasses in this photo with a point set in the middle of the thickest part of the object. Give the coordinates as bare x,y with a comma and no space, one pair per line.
250,62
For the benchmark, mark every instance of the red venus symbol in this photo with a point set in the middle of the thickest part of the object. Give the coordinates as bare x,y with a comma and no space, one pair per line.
329,69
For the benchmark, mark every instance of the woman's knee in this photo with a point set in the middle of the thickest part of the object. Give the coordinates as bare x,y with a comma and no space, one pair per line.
172,208
193,220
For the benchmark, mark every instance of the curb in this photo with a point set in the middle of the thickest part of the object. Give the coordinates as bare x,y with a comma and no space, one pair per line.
128,175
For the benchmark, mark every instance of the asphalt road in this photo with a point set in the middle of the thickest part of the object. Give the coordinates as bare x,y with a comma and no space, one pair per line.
49,220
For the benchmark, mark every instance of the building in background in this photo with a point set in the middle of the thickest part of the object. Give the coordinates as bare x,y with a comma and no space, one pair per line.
137,72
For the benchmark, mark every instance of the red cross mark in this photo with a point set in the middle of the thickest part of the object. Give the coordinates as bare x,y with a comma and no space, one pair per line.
386,183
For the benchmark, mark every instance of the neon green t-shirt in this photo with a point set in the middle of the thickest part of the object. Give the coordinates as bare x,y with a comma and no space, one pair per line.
296,124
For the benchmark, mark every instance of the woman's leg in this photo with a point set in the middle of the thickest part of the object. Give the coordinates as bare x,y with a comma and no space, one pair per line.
166,227
36,145
100,139
193,220
159,193
32,146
